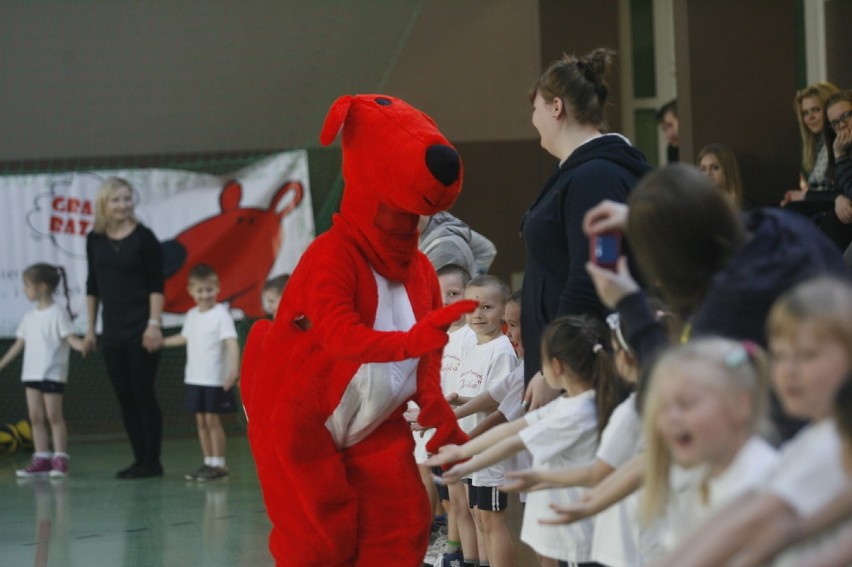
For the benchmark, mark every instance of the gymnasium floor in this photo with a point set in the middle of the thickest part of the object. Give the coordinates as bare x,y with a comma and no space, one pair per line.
92,519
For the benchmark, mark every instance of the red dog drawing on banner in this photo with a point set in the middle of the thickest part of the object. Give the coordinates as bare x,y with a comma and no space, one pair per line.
241,244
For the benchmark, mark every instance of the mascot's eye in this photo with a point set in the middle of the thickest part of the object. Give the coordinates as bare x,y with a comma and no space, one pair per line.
382,101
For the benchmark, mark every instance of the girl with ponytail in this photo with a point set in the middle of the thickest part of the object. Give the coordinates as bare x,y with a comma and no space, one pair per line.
45,336
578,361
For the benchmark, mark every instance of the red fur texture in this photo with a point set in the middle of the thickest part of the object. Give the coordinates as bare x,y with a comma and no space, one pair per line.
362,504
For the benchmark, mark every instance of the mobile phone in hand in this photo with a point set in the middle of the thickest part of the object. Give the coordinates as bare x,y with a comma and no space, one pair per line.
605,249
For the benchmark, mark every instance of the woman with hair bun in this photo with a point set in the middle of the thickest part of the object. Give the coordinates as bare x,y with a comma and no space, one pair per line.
568,111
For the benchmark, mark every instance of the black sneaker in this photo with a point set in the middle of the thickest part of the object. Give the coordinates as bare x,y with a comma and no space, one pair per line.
212,473
140,471
196,473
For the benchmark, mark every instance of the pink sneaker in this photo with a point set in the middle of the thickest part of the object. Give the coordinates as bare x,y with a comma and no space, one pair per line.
39,467
59,467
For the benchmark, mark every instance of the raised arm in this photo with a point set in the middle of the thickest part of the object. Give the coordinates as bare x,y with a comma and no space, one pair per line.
624,481
785,534
495,453
532,479
453,453
729,531
482,402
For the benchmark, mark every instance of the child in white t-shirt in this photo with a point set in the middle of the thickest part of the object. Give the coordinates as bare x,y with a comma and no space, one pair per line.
503,399
452,280
825,521
564,433
705,402
491,359
45,335
810,339
212,363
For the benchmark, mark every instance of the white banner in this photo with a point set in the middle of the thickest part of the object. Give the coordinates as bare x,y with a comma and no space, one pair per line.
248,226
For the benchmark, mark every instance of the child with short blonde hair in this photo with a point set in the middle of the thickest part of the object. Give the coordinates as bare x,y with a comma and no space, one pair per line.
705,403
491,359
810,338
212,364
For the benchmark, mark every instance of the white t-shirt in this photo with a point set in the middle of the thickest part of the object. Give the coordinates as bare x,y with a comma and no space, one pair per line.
205,334
808,476
45,349
483,365
508,392
616,541
688,509
562,434
462,340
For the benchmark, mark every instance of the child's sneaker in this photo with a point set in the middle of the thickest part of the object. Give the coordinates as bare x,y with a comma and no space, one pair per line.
212,473
196,473
38,467
455,559
433,552
59,467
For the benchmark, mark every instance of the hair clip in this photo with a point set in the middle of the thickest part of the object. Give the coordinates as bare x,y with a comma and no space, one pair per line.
597,348
737,356
751,347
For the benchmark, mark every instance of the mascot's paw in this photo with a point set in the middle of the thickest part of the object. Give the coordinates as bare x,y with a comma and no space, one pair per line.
447,434
430,333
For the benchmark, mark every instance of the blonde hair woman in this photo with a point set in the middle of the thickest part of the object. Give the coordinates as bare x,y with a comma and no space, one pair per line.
126,279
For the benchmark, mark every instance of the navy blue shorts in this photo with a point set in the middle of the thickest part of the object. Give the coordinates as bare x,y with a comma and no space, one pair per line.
443,490
209,399
46,386
487,498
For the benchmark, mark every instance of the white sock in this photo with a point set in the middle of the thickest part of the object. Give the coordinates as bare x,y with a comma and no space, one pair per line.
41,455
208,461
61,454
218,462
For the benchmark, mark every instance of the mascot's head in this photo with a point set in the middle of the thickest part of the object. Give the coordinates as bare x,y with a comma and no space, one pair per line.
396,166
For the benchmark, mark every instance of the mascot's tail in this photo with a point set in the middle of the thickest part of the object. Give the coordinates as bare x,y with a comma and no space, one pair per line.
251,353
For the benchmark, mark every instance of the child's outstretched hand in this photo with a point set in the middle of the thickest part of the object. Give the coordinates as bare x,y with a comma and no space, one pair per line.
446,455
570,513
525,481
430,333
451,476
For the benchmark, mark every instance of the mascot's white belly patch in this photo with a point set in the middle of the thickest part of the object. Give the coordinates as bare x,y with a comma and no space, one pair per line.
378,388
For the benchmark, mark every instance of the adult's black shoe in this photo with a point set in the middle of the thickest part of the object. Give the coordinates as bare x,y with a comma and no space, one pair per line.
140,471
123,473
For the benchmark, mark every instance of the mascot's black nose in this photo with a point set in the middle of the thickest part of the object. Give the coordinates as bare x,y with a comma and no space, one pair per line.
443,162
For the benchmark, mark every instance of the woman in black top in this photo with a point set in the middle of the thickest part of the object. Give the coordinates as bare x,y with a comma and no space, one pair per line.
568,102
126,277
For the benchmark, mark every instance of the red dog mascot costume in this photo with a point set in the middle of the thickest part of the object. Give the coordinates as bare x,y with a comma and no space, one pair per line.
359,332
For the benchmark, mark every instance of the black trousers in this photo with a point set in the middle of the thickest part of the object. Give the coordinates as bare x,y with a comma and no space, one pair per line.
132,371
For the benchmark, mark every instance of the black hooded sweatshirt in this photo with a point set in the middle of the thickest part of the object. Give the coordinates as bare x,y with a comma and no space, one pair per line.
555,281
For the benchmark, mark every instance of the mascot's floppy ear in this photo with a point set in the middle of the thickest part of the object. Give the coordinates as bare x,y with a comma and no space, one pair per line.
334,119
